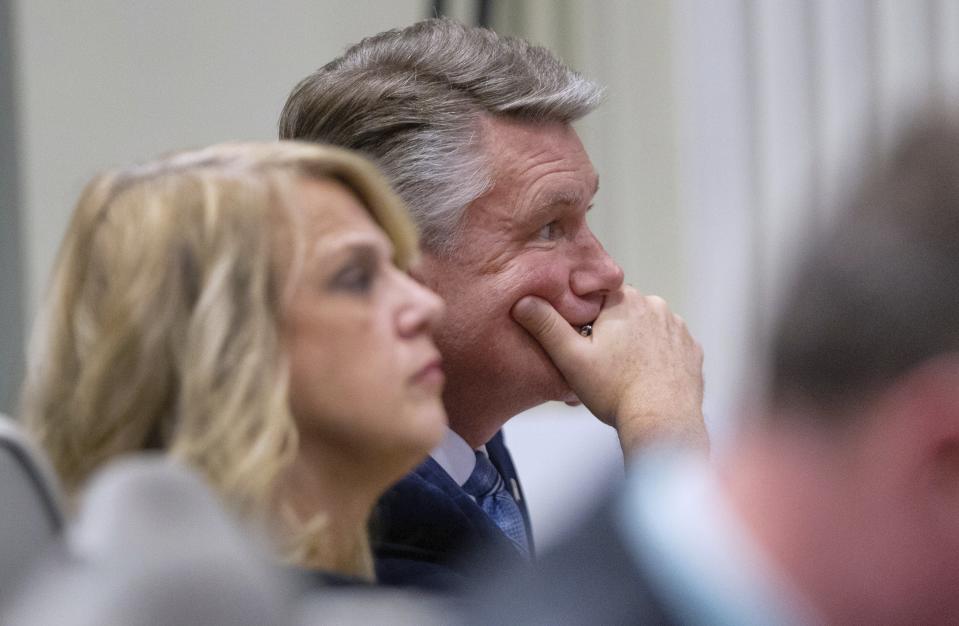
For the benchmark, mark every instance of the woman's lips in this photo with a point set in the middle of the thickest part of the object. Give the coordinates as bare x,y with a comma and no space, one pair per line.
431,375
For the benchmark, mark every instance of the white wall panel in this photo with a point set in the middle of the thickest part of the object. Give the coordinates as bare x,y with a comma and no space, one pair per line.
784,175
905,63
715,124
108,82
946,29
845,117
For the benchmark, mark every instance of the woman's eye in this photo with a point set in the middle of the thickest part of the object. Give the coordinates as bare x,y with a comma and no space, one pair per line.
548,232
356,278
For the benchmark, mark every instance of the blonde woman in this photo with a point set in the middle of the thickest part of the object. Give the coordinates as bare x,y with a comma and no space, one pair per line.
245,308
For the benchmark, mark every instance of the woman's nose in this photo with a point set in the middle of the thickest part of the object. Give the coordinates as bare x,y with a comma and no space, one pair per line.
423,308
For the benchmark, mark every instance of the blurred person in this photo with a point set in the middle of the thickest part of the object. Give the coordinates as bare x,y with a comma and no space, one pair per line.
839,502
474,131
245,309
152,545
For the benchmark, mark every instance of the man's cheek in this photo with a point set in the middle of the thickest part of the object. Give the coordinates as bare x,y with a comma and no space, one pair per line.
501,293
549,282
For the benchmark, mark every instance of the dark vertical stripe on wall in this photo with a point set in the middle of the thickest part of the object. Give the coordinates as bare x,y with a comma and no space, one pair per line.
11,266
484,13
872,131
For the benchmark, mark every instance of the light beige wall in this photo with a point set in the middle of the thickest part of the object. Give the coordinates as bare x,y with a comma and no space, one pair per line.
108,82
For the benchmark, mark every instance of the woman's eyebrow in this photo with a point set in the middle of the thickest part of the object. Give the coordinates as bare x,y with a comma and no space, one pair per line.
361,244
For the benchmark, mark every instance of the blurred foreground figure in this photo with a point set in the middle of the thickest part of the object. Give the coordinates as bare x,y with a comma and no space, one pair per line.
151,545
244,308
839,504
474,130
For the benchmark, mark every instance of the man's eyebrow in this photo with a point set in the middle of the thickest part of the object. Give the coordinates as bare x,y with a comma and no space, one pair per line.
567,197
546,204
562,197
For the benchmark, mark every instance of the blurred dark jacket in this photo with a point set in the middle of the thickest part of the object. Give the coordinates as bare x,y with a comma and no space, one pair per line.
589,578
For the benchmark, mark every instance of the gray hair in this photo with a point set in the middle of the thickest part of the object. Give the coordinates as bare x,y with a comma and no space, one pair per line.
412,99
877,295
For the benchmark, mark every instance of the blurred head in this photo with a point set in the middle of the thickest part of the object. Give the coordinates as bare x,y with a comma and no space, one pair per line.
473,130
234,305
877,294
865,363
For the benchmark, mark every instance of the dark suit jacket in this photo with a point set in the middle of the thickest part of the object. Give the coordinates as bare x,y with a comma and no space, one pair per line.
590,578
428,533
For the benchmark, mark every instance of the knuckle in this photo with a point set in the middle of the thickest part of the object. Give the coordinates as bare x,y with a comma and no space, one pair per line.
660,306
546,325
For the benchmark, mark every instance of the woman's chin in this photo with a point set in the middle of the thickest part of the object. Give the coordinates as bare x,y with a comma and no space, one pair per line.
433,423
414,449
425,428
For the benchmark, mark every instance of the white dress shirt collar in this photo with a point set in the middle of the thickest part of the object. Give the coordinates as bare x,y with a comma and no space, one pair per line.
455,456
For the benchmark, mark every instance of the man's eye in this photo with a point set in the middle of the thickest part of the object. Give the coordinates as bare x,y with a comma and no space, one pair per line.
548,232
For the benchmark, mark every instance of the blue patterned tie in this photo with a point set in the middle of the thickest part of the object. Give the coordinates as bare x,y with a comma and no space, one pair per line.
486,485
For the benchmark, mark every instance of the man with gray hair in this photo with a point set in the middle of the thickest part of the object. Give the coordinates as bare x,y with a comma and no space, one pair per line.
474,131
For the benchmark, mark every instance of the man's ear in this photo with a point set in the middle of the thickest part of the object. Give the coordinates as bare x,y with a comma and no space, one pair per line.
934,388
928,397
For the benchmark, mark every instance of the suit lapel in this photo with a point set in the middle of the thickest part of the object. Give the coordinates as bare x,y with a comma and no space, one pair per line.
429,515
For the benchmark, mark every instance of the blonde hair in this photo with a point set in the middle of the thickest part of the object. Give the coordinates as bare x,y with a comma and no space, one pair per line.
160,327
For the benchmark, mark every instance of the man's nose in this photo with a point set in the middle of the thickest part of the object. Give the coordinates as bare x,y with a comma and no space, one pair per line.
595,271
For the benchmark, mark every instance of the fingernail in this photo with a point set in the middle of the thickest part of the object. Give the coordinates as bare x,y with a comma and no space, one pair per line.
524,307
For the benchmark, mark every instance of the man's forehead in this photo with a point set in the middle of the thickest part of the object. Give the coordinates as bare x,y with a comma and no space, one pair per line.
537,167
500,134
